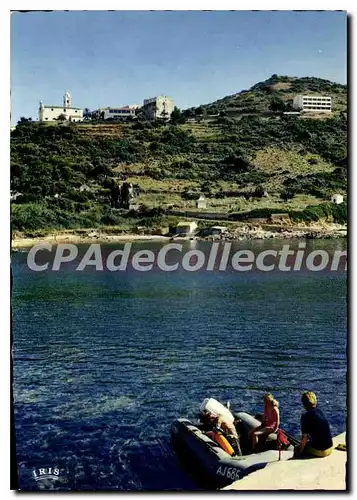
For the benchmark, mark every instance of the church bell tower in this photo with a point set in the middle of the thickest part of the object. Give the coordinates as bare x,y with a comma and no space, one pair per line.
67,101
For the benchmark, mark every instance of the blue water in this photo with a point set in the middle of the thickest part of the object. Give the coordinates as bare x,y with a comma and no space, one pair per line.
104,362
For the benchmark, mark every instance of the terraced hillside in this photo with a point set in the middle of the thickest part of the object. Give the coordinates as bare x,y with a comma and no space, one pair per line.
258,98
224,173
68,174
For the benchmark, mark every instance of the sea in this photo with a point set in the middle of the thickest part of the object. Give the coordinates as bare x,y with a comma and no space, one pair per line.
104,362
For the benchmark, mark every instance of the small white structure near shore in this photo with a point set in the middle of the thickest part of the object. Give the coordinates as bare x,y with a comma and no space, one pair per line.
14,195
201,202
337,198
217,230
186,228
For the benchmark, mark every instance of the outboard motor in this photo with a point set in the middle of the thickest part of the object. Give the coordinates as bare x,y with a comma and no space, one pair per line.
211,405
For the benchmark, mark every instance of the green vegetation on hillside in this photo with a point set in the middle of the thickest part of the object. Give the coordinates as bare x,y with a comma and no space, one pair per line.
67,174
259,98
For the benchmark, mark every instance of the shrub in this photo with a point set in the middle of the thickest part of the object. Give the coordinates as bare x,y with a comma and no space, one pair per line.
313,213
287,194
32,216
190,194
154,147
312,161
259,192
184,164
277,104
256,176
236,163
111,217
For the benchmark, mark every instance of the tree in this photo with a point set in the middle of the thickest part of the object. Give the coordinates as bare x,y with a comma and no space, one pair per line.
87,115
288,194
163,118
61,117
269,89
140,114
236,163
177,116
189,113
277,104
200,113
259,192
24,121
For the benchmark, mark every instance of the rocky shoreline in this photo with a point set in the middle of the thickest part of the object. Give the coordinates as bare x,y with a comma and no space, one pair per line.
241,233
259,233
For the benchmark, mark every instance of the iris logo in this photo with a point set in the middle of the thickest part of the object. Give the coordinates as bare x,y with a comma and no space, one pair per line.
46,473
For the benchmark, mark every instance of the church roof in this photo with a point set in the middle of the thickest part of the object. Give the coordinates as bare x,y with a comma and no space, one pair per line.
59,107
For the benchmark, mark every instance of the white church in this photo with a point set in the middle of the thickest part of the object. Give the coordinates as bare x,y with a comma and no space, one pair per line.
49,113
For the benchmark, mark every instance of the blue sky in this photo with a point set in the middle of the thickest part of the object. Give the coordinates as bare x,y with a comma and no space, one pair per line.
118,58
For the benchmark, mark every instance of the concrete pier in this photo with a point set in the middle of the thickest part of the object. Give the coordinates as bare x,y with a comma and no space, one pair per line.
328,473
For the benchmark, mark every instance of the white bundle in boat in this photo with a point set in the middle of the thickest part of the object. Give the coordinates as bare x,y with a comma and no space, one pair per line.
216,408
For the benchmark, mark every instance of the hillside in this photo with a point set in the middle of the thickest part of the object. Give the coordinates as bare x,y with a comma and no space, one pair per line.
68,174
258,98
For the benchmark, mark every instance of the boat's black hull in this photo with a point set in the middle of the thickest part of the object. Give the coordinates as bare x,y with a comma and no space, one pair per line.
211,465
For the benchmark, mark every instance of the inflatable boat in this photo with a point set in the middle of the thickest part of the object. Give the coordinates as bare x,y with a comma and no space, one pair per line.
212,461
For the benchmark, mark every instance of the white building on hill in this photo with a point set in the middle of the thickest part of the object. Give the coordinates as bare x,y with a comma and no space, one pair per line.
313,103
50,113
158,107
201,202
337,198
116,113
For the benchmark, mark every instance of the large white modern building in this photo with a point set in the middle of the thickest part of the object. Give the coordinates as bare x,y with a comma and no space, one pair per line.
313,103
51,112
122,113
159,107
